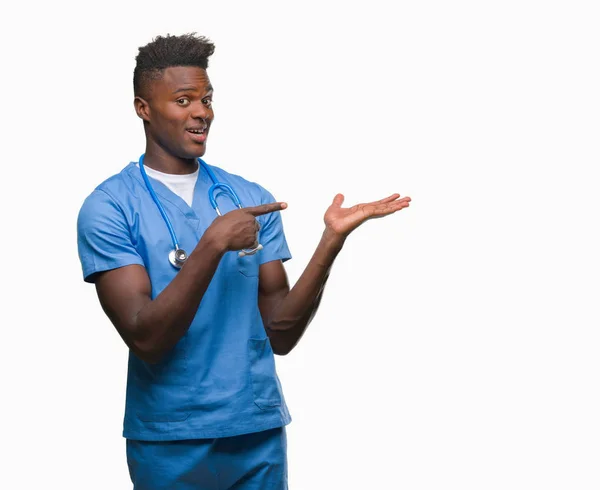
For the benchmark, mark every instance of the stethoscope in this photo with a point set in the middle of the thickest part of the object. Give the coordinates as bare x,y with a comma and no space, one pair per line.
178,256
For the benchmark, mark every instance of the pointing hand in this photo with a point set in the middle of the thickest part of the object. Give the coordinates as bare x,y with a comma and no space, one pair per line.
238,229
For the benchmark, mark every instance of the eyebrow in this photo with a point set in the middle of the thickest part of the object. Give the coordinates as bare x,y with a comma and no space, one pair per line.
209,89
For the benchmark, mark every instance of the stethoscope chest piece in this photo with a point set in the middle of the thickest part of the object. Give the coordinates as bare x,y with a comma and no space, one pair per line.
177,257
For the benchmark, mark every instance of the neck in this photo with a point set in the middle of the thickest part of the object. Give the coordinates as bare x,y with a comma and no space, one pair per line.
158,158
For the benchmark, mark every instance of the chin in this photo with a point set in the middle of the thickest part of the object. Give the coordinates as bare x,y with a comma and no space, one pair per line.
200,150
196,152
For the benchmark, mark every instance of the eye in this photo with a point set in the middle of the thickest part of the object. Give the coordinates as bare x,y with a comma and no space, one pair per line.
183,102
207,102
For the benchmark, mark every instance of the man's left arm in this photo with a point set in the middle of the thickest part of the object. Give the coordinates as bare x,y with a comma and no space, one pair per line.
287,312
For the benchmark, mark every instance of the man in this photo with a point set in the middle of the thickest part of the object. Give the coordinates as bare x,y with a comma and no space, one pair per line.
204,407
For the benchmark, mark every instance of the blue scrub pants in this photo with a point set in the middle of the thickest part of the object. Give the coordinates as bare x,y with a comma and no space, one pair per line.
256,461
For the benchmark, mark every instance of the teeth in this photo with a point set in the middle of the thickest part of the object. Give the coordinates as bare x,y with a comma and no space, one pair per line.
196,131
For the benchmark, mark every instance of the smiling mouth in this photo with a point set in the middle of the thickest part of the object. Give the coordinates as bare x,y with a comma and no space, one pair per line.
198,135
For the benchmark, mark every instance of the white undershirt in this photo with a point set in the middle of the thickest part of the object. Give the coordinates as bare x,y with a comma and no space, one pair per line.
182,185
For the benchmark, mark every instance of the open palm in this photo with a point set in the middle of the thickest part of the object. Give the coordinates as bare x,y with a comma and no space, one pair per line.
343,220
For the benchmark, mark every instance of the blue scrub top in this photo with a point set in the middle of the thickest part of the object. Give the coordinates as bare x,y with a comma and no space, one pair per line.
220,379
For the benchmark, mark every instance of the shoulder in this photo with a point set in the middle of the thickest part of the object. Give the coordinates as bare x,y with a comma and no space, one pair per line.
108,196
119,184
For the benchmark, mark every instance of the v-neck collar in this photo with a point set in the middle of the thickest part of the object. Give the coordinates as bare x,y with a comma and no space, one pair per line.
168,195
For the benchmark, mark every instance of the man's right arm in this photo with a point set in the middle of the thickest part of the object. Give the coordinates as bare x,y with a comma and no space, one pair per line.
150,328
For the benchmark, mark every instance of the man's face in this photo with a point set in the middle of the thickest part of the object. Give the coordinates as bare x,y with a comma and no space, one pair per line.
179,111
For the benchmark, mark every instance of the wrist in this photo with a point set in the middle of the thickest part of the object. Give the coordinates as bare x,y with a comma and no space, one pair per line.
213,242
333,239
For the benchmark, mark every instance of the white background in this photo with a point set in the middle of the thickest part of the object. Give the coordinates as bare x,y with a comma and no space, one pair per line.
457,345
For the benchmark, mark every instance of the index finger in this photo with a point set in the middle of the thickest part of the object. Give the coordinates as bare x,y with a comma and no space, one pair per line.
266,208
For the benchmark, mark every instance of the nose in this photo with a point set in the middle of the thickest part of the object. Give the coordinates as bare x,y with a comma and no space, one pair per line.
201,111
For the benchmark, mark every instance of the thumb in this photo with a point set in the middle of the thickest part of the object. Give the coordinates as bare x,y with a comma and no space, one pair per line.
338,200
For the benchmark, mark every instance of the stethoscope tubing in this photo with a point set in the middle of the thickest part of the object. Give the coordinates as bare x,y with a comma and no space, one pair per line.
158,204
178,256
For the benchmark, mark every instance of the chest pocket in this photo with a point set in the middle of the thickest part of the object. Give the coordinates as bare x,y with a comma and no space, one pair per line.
248,265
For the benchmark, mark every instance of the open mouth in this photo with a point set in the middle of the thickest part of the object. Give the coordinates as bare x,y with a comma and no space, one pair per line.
198,134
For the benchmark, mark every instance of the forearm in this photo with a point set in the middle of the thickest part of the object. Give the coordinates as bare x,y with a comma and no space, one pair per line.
291,316
163,321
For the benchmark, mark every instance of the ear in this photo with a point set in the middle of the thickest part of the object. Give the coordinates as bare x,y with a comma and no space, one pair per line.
142,108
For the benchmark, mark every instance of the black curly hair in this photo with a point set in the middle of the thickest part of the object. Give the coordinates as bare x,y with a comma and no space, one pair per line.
166,51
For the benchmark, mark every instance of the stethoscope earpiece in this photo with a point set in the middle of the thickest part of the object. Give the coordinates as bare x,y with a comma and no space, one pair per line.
252,251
